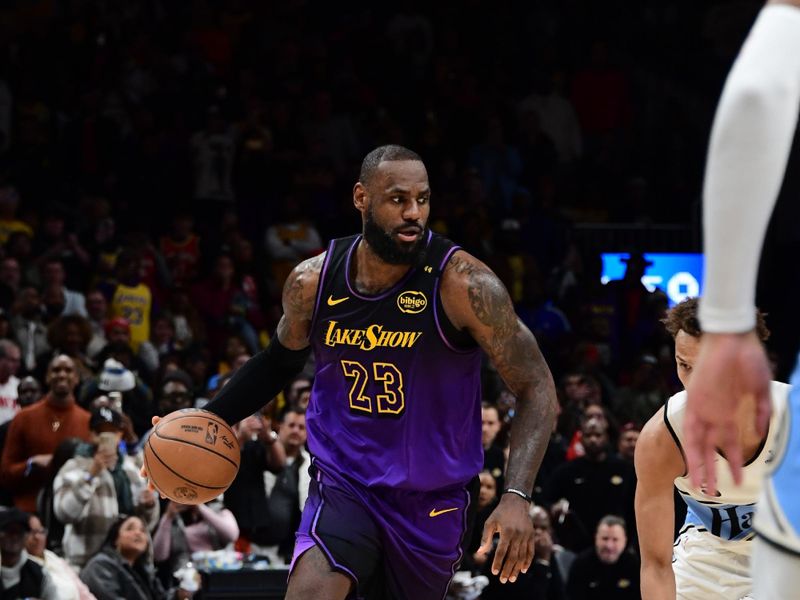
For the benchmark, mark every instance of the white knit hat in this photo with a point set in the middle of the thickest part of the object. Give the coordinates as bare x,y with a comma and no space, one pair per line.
115,377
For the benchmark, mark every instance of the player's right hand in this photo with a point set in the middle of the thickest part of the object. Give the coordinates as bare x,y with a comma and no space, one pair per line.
514,551
143,470
729,369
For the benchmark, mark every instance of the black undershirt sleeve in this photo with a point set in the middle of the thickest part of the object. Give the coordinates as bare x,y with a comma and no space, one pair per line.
258,381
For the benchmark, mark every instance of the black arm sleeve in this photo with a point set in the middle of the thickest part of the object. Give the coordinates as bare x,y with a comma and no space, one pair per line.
258,381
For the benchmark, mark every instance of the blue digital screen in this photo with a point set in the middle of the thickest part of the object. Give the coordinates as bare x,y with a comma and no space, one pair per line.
678,275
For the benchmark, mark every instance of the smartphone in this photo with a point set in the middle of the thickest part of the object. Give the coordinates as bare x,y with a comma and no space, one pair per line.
115,401
108,440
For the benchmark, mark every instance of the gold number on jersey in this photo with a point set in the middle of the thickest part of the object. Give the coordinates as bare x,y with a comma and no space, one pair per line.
391,402
356,371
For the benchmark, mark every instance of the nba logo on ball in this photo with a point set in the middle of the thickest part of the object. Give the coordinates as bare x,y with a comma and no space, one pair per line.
211,433
184,461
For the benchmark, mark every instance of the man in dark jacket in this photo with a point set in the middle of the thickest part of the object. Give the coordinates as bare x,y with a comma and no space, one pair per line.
20,577
607,570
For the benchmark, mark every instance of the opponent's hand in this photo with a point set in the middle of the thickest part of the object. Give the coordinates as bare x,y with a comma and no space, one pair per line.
515,548
729,368
143,470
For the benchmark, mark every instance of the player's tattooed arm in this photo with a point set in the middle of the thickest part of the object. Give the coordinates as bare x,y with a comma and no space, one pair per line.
476,300
299,294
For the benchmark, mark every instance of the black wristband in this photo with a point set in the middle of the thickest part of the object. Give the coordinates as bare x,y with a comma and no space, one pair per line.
519,493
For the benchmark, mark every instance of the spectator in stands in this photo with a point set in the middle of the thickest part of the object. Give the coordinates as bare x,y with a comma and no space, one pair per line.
113,400
247,497
196,364
185,529
44,501
131,299
65,580
493,457
607,570
163,338
291,240
298,385
626,445
236,354
96,486
498,163
20,248
592,411
9,384
137,398
28,326
97,309
645,394
54,241
212,152
70,335
120,347
189,324
9,223
122,567
287,489
28,391
153,271
556,115
595,484
224,305
57,298
635,309
37,430
20,577
175,393
545,538
10,281
181,248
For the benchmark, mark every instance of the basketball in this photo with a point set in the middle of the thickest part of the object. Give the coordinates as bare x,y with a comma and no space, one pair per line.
191,456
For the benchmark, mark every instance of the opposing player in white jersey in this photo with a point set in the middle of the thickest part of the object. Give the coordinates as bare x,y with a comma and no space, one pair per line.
711,557
750,143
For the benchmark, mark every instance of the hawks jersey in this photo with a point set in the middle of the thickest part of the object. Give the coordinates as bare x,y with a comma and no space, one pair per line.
396,400
729,514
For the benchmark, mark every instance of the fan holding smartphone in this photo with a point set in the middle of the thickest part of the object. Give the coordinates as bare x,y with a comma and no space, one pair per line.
97,485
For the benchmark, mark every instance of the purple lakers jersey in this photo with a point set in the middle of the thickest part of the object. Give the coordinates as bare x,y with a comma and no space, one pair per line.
396,399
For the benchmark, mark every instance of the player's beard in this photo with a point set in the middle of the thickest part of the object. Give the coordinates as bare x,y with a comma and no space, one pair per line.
388,249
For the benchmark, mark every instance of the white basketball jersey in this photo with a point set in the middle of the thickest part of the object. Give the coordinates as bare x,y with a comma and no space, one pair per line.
728,514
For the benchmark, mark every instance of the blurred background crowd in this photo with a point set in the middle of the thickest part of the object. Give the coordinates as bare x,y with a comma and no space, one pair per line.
163,167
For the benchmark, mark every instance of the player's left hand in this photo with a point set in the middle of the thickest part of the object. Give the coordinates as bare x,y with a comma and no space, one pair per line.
515,548
729,368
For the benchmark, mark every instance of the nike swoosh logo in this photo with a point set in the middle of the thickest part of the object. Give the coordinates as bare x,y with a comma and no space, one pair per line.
436,513
332,302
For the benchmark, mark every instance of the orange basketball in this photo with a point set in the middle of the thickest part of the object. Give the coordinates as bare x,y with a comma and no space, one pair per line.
191,456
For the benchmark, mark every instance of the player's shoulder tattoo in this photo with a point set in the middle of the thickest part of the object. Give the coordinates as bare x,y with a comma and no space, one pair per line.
487,295
300,288
510,346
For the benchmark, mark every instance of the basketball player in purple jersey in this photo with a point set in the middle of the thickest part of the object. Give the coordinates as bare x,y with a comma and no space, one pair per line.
751,140
397,318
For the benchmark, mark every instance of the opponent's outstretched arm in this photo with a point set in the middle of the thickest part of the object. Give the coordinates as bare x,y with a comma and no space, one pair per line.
475,299
750,143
